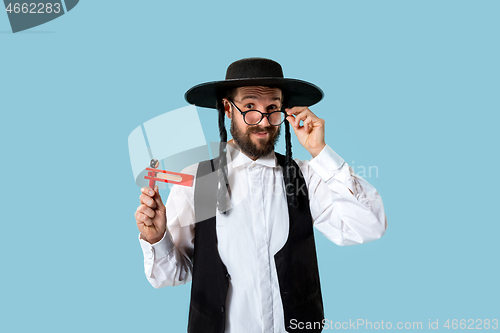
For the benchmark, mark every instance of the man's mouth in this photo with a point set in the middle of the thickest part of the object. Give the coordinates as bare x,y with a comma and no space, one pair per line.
260,134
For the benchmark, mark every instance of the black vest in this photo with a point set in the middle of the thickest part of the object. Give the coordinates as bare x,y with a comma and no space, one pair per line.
296,262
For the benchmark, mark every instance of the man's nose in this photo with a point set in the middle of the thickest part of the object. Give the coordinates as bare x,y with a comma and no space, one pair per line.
265,121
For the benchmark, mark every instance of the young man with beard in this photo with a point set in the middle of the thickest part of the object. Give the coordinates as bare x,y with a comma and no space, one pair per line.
251,256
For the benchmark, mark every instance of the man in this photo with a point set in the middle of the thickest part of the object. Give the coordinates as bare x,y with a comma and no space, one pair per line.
251,257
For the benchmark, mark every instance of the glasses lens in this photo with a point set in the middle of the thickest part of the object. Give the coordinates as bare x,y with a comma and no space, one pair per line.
253,117
276,118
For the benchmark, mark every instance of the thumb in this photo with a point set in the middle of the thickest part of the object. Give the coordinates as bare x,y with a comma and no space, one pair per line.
291,120
157,199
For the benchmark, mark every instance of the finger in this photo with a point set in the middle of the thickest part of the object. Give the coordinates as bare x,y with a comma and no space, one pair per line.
296,109
291,121
146,211
301,116
147,221
157,199
143,220
302,113
148,191
148,201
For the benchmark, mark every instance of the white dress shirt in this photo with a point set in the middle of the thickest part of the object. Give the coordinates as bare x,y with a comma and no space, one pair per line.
344,207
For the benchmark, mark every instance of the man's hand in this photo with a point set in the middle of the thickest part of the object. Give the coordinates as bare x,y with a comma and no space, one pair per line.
311,133
151,215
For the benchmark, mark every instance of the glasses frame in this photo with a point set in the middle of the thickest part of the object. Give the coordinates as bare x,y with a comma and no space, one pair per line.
268,114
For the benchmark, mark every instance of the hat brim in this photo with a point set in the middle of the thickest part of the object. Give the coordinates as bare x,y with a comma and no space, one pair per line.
297,92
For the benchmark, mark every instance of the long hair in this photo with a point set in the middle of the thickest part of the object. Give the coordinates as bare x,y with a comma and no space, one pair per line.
223,189
289,177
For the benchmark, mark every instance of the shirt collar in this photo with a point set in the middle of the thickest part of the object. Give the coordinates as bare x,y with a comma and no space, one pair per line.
238,158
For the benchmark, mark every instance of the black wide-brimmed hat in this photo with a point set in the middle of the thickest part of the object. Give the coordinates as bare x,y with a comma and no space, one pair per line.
255,72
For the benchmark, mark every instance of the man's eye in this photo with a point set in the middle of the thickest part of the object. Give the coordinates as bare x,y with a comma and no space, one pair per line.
249,106
272,107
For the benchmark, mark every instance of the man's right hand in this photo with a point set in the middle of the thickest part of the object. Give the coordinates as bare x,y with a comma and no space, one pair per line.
151,215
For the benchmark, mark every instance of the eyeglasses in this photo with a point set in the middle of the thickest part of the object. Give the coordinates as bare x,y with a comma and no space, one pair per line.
254,117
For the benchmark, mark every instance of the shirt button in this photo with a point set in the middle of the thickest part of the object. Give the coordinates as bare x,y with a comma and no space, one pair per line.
228,276
152,254
222,309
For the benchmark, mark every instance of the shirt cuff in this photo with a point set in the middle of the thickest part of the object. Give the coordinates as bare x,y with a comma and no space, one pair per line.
158,250
327,163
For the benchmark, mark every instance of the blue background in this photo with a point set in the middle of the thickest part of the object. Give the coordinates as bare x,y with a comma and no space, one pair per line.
411,87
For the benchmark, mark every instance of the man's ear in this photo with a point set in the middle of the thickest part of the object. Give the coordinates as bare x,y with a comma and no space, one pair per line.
227,107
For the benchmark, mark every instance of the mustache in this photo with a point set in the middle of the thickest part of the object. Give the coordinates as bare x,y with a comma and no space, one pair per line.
256,129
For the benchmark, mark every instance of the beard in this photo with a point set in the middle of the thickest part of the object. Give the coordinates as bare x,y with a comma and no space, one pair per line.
248,147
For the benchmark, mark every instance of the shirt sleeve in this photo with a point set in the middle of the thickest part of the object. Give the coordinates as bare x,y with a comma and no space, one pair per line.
344,206
169,261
